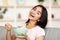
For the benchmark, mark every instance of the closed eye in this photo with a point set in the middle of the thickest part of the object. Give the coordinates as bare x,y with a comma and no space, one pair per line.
38,13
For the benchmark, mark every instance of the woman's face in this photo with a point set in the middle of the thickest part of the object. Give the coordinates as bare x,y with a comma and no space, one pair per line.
35,13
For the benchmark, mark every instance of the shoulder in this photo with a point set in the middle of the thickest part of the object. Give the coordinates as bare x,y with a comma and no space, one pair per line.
40,31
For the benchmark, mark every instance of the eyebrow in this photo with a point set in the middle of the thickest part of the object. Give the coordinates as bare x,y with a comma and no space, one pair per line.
34,8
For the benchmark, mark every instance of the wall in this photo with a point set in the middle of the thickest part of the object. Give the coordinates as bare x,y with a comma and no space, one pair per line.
12,12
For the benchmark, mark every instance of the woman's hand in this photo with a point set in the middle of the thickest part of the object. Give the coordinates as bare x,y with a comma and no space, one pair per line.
8,26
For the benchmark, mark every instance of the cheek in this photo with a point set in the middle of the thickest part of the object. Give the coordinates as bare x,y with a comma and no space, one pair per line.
37,17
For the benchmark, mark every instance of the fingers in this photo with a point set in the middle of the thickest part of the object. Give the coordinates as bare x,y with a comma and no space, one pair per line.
13,37
8,26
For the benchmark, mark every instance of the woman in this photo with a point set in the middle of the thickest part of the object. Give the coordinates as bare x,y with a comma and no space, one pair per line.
35,24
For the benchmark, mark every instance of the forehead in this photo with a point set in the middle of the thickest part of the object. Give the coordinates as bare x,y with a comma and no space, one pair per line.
39,9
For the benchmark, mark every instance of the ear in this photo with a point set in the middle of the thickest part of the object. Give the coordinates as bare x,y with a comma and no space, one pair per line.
38,20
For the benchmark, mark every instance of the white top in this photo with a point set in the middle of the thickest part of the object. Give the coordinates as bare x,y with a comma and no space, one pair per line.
35,32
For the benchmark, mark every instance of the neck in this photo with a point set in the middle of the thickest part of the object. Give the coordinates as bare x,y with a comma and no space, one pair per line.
31,24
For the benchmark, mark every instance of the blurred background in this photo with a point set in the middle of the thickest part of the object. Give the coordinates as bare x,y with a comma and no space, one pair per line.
16,13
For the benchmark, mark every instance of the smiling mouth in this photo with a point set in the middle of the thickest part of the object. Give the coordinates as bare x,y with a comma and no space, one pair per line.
32,15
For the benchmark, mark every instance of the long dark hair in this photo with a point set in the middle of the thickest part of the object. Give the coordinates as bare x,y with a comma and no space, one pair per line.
43,19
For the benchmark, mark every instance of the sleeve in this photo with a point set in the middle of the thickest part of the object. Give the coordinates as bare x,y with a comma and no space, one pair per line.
40,32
